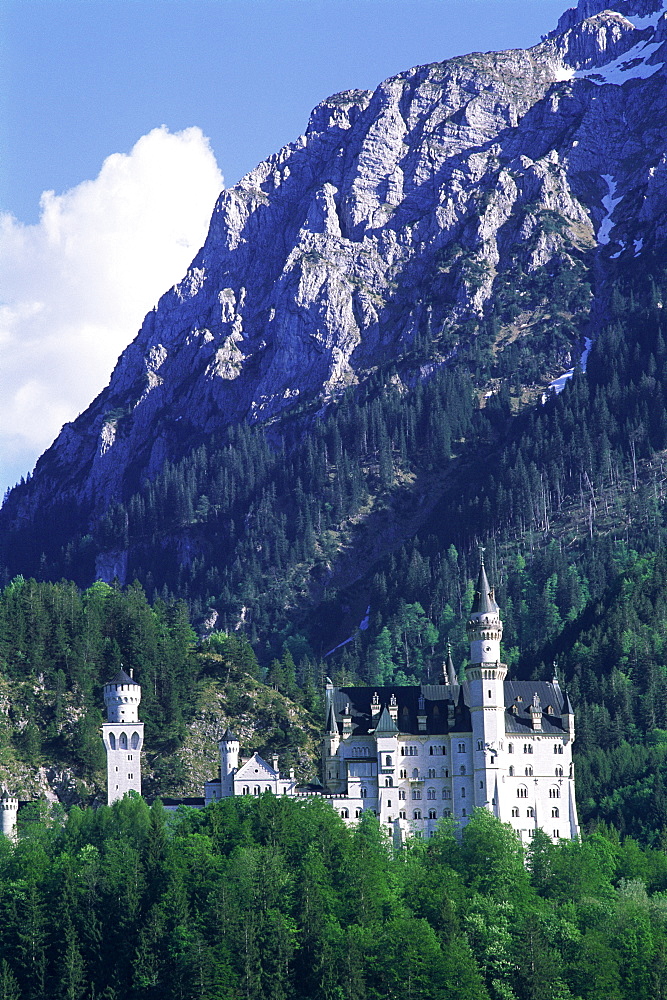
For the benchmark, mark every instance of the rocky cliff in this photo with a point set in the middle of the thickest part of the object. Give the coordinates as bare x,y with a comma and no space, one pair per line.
415,207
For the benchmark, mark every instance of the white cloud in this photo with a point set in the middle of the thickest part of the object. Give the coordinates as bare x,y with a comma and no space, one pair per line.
76,286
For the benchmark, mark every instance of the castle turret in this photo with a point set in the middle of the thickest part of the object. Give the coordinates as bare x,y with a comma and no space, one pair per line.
9,807
485,679
123,736
229,761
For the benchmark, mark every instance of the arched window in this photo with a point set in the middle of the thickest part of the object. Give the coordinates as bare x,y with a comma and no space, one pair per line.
415,772
417,814
522,792
446,813
401,794
432,814
511,771
403,773
446,793
388,761
463,793
554,812
134,742
529,772
530,812
363,791
345,814
388,782
515,811
462,769
431,772
416,794
559,772
256,790
554,793
402,814
245,790
462,748
122,741
463,812
510,748
112,741
431,793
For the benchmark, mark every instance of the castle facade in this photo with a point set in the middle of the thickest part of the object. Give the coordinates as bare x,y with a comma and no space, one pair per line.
415,755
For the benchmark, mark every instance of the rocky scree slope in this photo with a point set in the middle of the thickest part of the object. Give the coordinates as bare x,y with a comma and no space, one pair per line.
413,207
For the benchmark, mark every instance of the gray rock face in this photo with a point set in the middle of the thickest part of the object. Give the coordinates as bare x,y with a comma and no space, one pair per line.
396,208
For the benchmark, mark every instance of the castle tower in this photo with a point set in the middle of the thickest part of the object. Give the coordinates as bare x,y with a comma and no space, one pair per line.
229,761
123,736
9,807
485,678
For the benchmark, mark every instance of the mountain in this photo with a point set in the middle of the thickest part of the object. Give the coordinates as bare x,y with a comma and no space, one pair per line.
446,246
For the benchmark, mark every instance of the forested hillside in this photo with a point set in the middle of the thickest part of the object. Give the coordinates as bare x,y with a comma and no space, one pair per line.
271,899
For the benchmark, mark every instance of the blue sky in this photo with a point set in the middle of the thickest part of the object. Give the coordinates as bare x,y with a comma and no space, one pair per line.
85,87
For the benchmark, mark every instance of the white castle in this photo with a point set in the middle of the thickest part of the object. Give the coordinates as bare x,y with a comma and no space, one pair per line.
415,755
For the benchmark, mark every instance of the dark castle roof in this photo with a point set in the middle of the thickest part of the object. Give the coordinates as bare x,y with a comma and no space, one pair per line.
446,707
484,602
122,678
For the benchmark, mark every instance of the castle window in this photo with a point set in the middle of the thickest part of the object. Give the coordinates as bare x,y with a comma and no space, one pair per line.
510,748
445,772
416,793
388,803
446,793
432,814
522,792
529,772
417,814
554,793
446,813
511,771
515,812
130,776
463,793
363,791
431,793
122,741
112,741
135,740
528,748
256,790
481,784
402,814
401,793
480,745
388,761
403,773
556,834
531,833
462,769
357,813
554,812
559,772
463,812
246,790
344,814
116,768
388,782
530,812
415,772
462,748
431,772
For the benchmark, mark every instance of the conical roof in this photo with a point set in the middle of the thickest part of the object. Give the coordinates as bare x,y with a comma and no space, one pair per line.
122,678
332,725
484,602
450,672
567,705
228,736
385,723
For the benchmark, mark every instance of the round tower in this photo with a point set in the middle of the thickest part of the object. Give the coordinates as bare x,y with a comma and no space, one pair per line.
485,629
229,761
123,736
485,680
9,808
122,696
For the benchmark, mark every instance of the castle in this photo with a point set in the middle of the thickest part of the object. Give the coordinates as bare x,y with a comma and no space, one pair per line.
413,755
